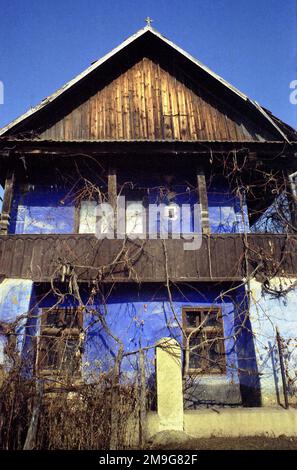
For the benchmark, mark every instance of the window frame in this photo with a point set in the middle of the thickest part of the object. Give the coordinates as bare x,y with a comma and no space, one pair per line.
61,334
208,331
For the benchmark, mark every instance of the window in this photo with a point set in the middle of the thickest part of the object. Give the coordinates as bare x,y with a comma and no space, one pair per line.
59,343
204,330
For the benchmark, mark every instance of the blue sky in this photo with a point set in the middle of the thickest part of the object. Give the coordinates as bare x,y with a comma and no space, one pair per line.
45,43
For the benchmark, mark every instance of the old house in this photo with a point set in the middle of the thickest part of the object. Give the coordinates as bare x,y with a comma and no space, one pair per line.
153,125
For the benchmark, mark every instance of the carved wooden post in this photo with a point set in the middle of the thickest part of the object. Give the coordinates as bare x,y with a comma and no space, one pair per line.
202,193
292,196
112,187
7,201
169,384
112,194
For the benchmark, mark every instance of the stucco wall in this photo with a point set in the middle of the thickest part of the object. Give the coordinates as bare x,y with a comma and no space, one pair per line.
269,422
142,316
268,311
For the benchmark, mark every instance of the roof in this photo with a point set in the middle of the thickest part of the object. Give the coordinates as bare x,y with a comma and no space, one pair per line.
285,131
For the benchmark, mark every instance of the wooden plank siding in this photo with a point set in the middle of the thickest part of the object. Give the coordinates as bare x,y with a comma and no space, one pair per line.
220,258
149,102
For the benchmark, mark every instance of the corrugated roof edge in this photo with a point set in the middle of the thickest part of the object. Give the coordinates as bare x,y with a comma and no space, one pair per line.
117,49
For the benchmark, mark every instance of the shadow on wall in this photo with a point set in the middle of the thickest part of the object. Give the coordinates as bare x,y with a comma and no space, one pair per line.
248,372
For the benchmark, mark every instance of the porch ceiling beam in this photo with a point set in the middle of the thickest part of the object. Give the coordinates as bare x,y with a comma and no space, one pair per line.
177,148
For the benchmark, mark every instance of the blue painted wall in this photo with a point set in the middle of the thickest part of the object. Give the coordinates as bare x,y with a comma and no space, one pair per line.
142,317
42,209
179,195
46,209
225,212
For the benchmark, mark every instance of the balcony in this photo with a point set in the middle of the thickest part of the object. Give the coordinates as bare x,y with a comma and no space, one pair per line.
223,257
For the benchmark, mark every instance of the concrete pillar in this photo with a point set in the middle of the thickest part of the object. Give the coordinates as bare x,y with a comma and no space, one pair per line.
169,385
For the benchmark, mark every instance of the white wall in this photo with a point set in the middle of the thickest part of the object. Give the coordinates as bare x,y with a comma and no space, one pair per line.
268,311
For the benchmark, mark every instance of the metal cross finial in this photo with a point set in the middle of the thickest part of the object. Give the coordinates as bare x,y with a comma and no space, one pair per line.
148,21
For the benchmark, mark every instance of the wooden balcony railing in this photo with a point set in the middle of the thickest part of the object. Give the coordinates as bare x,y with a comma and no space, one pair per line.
224,257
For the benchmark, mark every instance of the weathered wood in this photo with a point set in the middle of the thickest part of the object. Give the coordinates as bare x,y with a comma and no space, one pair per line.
63,150
7,201
76,218
112,187
150,102
220,258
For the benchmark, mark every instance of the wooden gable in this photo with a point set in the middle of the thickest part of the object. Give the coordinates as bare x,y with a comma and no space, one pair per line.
147,102
149,89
